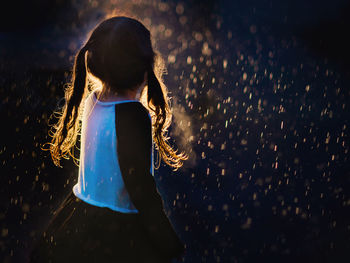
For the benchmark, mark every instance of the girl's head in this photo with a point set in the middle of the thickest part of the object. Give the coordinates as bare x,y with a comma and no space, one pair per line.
119,53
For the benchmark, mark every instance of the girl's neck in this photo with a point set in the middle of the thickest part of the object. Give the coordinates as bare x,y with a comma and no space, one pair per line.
108,96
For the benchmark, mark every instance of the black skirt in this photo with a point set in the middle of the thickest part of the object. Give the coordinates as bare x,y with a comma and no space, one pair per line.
81,232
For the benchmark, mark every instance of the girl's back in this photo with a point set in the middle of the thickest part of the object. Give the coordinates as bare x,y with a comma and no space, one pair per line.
100,179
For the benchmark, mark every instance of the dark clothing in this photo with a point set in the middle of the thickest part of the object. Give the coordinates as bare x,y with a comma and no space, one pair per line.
81,232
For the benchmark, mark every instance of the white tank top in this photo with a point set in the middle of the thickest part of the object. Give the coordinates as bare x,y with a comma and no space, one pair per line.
100,182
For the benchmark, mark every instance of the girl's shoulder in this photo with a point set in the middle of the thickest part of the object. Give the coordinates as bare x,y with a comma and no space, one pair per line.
131,109
134,110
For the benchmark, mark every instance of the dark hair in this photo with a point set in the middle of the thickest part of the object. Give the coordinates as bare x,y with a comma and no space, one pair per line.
118,52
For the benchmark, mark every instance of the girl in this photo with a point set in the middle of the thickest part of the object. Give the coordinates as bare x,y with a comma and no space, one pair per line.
114,212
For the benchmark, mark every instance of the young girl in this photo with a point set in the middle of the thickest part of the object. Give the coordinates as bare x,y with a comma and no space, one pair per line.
114,212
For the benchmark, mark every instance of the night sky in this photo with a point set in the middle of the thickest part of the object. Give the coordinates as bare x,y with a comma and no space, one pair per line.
260,95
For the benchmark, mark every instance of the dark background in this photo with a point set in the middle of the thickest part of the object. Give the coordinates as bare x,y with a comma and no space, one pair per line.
261,103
